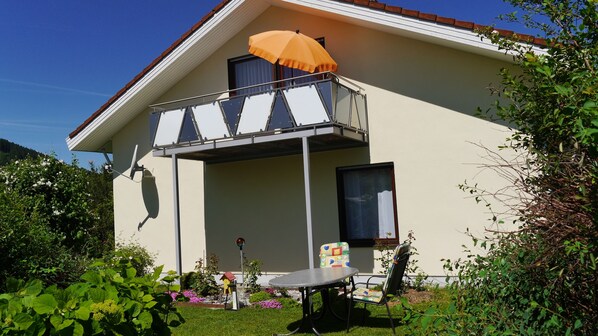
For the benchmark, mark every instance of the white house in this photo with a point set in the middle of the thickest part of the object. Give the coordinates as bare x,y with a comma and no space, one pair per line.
383,143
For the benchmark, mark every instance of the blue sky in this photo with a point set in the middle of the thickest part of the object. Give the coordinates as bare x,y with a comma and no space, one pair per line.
62,59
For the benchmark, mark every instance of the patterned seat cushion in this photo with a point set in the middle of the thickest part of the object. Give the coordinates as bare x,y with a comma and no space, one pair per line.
365,294
334,255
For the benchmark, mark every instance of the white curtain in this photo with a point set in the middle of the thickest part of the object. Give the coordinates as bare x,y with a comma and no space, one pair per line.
386,215
369,207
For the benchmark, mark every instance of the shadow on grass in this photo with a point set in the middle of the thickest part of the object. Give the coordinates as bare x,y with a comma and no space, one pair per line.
361,319
364,318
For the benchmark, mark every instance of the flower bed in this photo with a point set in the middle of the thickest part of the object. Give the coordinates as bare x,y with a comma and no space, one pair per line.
266,299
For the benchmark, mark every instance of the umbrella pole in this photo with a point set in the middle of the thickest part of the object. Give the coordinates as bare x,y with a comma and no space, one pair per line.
306,182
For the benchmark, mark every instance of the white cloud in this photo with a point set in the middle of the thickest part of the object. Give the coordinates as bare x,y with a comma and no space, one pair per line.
54,87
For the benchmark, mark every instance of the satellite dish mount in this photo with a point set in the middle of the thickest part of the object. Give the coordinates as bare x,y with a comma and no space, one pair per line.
134,168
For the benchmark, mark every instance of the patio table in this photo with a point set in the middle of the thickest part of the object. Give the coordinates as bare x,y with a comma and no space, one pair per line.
307,279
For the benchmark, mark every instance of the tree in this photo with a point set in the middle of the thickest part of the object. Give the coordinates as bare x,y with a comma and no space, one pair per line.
10,151
55,216
542,278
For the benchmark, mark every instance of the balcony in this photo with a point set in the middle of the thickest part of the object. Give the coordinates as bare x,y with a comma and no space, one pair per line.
262,121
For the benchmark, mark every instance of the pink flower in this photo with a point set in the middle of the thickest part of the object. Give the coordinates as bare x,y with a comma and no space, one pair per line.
270,304
197,299
173,295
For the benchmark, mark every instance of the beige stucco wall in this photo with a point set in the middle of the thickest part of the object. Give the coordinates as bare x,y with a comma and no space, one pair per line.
421,101
263,201
148,199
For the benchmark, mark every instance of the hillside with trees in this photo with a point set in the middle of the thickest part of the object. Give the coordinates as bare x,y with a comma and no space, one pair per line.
11,151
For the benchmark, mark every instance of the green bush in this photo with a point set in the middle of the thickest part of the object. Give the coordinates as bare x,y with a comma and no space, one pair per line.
30,248
259,296
203,280
53,218
108,301
288,302
540,278
141,259
253,269
72,201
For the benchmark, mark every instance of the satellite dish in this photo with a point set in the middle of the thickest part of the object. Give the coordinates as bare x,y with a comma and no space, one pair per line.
135,167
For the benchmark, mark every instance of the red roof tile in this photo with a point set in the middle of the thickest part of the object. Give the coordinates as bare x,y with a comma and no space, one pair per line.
362,3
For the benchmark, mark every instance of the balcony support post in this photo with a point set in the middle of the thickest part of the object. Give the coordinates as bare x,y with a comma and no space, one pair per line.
306,182
177,216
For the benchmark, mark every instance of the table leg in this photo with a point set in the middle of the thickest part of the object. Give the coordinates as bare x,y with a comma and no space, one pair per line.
306,314
327,304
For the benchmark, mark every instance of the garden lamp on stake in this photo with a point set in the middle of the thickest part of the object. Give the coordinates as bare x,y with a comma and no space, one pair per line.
240,243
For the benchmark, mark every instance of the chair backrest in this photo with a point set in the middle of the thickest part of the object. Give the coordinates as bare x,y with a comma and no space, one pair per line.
334,255
396,270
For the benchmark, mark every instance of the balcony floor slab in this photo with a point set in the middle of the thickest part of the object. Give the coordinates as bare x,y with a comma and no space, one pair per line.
277,143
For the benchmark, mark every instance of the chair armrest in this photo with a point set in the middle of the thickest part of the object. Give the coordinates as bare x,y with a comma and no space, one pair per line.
367,284
381,276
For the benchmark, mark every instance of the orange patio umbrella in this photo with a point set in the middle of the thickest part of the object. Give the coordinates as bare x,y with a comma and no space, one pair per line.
291,49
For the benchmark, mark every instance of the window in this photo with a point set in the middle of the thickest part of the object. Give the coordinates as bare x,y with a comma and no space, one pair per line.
251,70
247,71
367,207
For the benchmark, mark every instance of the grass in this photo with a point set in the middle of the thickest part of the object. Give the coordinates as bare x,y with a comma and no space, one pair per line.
257,321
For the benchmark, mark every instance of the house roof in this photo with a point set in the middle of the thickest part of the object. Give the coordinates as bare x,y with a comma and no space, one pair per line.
229,16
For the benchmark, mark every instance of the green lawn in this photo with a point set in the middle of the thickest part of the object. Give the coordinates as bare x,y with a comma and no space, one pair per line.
257,321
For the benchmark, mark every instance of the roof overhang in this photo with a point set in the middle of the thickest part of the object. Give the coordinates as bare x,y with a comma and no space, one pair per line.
424,27
228,19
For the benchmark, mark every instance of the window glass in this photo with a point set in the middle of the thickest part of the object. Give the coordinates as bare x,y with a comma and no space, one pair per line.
367,204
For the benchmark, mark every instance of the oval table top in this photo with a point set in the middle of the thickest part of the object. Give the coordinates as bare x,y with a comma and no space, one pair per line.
313,277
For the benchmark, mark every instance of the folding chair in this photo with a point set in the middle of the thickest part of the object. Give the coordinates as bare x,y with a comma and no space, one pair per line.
391,285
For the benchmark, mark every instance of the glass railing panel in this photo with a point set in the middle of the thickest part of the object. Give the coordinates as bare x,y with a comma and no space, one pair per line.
306,105
326,93
281,117
210,121
313,103
355,117
255,113
169,127
153,121
343,105
188,131
360,104
232,111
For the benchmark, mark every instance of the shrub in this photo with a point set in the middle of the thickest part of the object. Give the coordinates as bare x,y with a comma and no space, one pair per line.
72,202
386,251
108,301
418,282
259,296
31,248
53,218
203,280
288,302
253,268
540,278
139,257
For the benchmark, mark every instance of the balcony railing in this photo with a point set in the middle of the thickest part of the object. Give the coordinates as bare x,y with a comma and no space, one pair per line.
292,108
